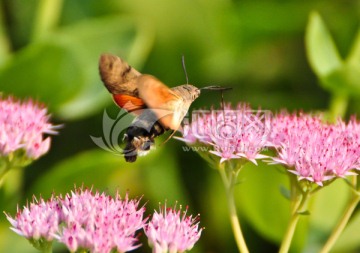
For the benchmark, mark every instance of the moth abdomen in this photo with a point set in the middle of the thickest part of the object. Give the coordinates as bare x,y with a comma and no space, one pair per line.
139,140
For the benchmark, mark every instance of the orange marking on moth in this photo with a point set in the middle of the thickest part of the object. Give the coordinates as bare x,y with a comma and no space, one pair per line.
129,103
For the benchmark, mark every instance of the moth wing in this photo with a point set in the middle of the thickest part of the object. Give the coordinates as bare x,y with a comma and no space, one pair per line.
120,80
129,103
162,100
117,75
181,108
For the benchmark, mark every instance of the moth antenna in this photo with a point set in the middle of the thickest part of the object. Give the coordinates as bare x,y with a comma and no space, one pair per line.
221,89
184,68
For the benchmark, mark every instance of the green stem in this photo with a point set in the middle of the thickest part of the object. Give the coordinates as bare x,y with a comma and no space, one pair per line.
10,169
42,245
298,201
4,169
47,17
354,200
2,176
47,248
229,184
285,245
338,106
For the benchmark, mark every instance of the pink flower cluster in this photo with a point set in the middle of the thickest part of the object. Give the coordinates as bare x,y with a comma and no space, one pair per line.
171,231
23,125
39,220
233,133
98,223
83,220
314,150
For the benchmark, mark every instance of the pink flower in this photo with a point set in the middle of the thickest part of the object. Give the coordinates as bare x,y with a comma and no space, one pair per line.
233,133
39,220
82,220
170,231
23,125
100,223
314,150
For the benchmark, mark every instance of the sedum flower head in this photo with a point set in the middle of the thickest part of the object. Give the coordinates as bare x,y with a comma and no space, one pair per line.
82,220
170,230
230,133
39,220
23,125
99,223
314,150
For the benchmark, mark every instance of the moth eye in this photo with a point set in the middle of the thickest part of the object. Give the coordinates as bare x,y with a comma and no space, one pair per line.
196,94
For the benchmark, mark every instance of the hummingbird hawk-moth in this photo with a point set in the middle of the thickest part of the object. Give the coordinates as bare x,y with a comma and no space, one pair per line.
158,107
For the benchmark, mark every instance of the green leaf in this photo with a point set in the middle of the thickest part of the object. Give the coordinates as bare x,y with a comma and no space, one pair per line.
335,75
94,167
354,55
263,205
269,215
155,176
4,39
304,212
89,39
62,69
285,192
214,199
45,71
320,47
344,80
351,71
326,207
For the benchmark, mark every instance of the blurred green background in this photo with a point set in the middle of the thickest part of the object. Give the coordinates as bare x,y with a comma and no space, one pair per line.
49,51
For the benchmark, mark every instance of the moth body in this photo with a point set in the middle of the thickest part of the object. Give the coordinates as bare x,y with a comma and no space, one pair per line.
158,107
140,135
